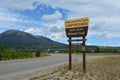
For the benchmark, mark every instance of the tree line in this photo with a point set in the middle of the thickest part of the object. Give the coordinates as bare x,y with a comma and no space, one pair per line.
10,54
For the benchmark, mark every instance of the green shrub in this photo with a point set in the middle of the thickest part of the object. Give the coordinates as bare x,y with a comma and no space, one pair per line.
38,53
2,48
13,54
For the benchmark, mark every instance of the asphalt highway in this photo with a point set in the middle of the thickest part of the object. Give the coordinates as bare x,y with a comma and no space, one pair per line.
13,66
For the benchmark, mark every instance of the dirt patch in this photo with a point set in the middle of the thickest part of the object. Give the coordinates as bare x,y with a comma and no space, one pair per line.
107,68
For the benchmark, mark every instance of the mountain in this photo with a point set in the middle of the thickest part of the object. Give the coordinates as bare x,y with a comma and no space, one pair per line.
25,41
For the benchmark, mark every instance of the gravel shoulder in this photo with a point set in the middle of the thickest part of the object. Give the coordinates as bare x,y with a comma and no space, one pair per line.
104,68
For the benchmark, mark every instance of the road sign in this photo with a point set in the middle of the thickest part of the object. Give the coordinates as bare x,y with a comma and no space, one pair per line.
75,23
76,27
83,48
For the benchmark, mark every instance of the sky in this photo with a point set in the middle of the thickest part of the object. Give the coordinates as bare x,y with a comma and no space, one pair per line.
47,17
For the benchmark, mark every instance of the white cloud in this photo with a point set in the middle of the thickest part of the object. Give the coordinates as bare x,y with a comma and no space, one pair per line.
9,19
104,15
17,4
53,17
56,29
25,4
6,15
35,31
105,27
14,20
111,43
57,36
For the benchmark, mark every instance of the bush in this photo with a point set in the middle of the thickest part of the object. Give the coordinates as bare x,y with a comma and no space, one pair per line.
38,53
9,54
2,48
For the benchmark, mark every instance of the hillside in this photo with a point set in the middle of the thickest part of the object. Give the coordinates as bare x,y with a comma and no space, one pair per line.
25,41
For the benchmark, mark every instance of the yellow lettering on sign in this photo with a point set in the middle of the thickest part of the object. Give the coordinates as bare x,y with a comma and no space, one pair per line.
81,33
71,34
72,29
80,29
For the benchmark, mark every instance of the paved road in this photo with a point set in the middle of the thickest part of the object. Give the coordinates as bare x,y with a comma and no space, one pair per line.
13,66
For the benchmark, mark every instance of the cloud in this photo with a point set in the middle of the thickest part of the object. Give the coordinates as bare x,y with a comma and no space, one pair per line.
24,4
6,15
111,42
103,14
53,17
57,36
17,4
56,29
107,27
35,31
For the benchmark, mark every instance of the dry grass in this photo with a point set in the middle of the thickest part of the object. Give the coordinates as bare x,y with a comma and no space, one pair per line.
107,68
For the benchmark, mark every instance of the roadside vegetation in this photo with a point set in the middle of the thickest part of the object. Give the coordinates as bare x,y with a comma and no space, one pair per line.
107,68
10,54
98,50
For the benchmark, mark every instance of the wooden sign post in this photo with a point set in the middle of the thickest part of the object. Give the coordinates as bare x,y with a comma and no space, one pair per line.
84,56
77,28
70,54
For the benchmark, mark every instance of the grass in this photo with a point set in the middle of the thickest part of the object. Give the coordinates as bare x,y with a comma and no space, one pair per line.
107,68
13,55
10,54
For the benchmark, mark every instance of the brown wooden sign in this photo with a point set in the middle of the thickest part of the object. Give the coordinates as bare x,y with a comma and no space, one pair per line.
76,27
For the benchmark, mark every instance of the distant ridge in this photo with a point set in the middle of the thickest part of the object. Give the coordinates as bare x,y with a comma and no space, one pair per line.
22,40
27,42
